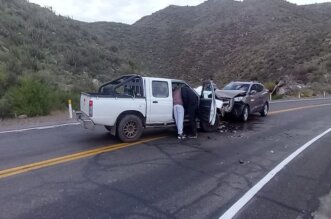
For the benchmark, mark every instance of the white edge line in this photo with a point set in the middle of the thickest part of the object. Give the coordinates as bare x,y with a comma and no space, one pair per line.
299,100
235,208
39,128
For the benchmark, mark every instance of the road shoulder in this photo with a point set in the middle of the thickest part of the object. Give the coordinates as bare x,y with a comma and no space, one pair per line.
55,118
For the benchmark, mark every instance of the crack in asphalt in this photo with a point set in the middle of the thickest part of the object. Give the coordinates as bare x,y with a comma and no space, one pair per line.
129,195
280,204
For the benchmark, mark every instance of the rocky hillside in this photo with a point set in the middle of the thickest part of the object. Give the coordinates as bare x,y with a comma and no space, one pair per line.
221,39
56,54
227,40
33,40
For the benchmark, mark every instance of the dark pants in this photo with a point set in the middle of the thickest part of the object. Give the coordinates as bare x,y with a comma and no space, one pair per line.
192,114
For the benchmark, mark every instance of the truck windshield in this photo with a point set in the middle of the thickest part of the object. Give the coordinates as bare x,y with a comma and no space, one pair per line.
237,86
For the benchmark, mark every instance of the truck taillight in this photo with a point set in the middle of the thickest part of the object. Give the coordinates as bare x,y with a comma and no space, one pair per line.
91,108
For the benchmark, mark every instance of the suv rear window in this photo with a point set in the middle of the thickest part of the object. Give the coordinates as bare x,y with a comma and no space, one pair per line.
259,88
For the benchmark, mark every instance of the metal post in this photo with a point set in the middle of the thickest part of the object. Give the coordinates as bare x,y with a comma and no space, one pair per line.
299,95
324,94
70,109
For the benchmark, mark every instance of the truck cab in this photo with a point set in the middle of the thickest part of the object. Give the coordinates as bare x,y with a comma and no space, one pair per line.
131,103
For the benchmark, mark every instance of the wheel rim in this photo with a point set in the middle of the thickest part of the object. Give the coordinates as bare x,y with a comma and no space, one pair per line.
245,113
130,129
265,109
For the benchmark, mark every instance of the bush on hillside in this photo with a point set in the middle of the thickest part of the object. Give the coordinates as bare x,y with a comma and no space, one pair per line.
277,96
60,100
30,97
3,81
270,85
307,93
5,108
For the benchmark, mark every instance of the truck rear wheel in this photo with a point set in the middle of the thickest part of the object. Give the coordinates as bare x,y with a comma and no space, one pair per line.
130,128
206,127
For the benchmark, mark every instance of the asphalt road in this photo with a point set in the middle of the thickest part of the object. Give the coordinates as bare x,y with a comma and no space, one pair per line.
69,172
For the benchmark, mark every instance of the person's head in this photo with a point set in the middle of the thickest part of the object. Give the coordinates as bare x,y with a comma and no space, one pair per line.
174,87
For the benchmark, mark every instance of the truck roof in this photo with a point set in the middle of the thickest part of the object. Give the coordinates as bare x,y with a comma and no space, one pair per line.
155,78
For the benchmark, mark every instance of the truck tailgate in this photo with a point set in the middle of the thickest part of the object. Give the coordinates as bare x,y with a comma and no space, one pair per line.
84,103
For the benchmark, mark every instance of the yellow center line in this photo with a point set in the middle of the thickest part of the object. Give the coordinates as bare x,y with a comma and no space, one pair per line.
67,158
89,153
299,108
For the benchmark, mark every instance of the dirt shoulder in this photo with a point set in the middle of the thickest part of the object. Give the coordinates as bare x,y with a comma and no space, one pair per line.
55,118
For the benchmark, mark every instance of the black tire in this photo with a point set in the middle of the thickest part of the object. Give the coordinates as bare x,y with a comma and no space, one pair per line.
265,110
108,127
206,127
244,114
130,128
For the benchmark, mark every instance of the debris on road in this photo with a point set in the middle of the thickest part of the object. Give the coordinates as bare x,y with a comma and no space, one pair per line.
324,210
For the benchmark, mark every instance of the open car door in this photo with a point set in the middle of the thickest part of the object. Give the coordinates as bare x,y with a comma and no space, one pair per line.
209,119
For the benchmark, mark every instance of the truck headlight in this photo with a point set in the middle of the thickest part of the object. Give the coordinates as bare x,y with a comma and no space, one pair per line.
238,99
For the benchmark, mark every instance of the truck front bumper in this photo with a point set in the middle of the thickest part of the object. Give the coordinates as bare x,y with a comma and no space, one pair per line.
84,120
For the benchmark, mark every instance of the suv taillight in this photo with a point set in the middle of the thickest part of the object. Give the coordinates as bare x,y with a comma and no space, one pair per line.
91,108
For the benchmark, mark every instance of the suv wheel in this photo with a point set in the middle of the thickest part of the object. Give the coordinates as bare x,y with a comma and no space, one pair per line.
130,128
265,110
244,114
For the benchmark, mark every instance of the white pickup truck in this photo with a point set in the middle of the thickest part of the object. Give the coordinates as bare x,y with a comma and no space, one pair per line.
129,104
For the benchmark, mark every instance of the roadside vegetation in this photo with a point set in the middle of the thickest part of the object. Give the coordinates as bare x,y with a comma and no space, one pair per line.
46,59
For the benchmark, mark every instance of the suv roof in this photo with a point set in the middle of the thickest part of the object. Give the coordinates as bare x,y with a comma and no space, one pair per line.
245,82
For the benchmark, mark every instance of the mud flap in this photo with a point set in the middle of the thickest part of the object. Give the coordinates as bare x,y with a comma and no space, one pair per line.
113,130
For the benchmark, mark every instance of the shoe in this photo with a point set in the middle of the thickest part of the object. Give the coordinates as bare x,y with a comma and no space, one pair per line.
182,136
193,136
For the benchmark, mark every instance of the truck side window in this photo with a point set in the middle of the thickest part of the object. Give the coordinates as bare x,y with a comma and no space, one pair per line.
206,92
160,89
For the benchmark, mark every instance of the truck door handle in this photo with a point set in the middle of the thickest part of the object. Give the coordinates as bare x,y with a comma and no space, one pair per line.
155,101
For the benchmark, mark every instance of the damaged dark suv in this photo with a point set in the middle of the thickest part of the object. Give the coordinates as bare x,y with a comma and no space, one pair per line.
244,98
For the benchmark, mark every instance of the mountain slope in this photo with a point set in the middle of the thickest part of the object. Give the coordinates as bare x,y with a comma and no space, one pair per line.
33,40
225,40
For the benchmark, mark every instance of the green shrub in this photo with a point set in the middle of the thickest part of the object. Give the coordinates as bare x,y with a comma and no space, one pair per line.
277,96
30,97
60,100
5,107
307,93
3,81
270,85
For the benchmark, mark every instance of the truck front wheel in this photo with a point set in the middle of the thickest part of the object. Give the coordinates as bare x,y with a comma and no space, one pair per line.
206,127
130,128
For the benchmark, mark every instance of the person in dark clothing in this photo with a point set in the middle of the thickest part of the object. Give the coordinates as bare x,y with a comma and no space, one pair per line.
190,103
